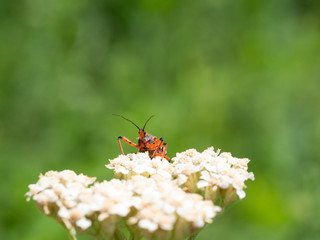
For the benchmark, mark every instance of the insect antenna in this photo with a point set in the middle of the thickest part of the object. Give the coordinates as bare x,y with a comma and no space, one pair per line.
147,121
126,119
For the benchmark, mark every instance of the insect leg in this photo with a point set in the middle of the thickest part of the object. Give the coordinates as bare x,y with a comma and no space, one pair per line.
127,141
167,158
159,142
163,152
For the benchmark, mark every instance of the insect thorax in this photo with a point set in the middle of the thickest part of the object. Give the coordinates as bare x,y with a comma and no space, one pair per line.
148,137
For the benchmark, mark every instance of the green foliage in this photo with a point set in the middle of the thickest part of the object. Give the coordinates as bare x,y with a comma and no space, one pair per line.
241,75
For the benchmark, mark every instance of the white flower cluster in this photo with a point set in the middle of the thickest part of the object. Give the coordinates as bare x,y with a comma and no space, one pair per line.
218,177
126,166
152,198
63,196
150,207
161,206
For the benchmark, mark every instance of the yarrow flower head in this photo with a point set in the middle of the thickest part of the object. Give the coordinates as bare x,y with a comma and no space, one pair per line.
152,198
62,195
149,206
217,176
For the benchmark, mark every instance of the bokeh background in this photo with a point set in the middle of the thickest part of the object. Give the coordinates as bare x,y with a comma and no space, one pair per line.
241,75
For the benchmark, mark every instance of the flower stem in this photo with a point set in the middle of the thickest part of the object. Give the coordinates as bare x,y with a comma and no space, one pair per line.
193,236
118,235
72,234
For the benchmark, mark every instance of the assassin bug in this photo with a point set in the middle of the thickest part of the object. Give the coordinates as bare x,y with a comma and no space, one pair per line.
146,142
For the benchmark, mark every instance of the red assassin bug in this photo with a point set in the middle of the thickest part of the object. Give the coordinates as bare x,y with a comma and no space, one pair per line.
146,142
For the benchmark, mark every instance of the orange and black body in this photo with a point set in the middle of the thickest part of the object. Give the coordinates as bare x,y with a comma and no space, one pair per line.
146,142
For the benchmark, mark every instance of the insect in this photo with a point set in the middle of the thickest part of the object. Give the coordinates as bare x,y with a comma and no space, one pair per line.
146,142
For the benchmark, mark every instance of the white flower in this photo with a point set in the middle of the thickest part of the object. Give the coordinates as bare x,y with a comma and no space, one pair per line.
224,182
182,179
164,174
83,223
84,208
122,170
202,184
241,193
121,209
63,213
148,224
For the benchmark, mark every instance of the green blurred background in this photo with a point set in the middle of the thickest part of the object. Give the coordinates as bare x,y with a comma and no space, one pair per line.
242,75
